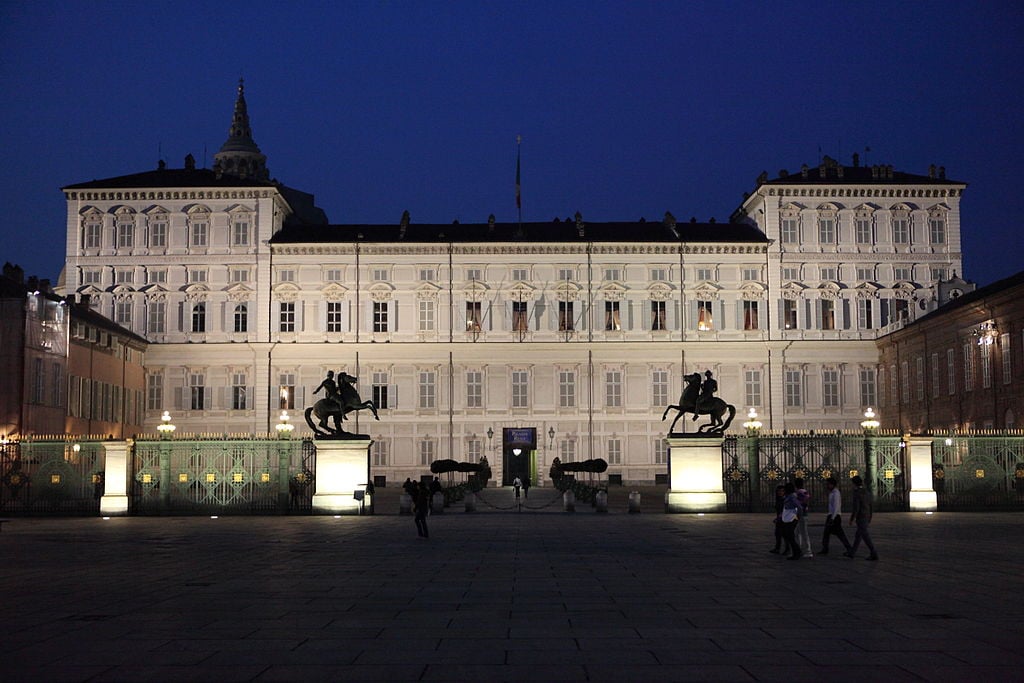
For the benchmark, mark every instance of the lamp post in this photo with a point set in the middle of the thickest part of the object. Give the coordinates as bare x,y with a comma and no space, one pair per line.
753,427
165,427
166,430
870,426
284,427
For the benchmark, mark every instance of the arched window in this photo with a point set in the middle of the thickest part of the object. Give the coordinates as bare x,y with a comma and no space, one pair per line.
241,318
199,317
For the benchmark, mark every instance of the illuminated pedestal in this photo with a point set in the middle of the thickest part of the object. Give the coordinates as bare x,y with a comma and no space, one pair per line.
341,470
922,490
114,502
695,474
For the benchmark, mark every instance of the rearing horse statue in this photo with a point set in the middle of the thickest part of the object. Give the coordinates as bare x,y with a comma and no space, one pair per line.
713,406
337,406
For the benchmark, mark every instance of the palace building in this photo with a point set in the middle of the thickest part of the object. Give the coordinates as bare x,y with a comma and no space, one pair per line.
577,331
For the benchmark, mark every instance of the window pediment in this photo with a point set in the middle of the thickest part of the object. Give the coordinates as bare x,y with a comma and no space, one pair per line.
867,290
659,291
613,291
793,290
752,291
90,212
706,291
334,292
194,209
567,291
381,291
196,292
153,289
121,291
155,209
476,291
286,291
122,210
521,291
89,289
238,292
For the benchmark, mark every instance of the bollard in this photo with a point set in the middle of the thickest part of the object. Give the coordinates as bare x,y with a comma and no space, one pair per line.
569,501
470,502
437,503
634,502
601,501
405,504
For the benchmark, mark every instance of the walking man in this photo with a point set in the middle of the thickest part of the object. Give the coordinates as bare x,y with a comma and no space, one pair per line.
861,516
421,501
791,511
834,520
802,537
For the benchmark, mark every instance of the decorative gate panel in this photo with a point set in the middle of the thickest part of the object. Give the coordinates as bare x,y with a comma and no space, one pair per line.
979,472
51,478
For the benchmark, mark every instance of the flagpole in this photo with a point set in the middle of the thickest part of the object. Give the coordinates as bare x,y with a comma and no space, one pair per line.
519,194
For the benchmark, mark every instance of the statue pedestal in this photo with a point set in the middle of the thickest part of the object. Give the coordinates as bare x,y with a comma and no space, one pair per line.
342,468
695,474
114,502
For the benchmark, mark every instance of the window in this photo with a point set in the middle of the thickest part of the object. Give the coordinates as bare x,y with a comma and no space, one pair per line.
789,314
197,391
659,274
239,275
985,352
894,396
240,232
425,315
791,274
57,385
125,232
241,318
156,315
520,389
566,389
935,375
158,233
752,388
968,367
200,230
286,391
950,372
474,274
332,275
612,274
334,316
123,313
612,319
427,275
938,274
752,274
902,273
38,382
154,391
865,319
1004,352
790,231
287,275
901,230
380,274
881,386
705,319
827,230
829,273
863,231
426,452
197,275
865,274
705,274
199,317
905,382
828,314
155,277
239,391
613,389
474,389
658,320
794,388
473,316
474,449
750,315
565,316
660,451
937,230
287,319
830,388
380,316
867,387
567,450
614,451
520,275
93,234
565,274
919,377
379,452
428,389
659,388
92,277
520,321
379,389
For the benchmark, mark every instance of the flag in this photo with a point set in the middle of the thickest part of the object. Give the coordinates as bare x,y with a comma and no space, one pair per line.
519,196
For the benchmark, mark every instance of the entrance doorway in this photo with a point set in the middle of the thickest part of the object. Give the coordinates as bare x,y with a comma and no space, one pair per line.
519,455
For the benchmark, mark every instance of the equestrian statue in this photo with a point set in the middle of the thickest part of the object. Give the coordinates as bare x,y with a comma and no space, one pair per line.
337,403
698,398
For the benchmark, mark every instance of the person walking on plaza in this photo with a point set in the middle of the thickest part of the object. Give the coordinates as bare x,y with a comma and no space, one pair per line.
834,520
526,487
780,498
802,537
790,515
421,501
517,484
861,516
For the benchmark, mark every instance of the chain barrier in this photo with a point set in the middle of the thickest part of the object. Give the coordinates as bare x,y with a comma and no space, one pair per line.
492,505
557,497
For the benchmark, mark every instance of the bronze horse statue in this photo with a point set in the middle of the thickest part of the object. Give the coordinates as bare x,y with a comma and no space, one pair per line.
337,406
713,406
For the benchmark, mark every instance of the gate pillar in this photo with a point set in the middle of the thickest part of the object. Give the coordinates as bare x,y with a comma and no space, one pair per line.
114,502
695,474
922,490
341,470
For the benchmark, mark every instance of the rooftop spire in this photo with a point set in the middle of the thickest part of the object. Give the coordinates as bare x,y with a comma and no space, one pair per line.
239,155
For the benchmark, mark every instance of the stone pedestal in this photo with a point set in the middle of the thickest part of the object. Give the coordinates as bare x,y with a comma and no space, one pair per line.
695,474
341,469
922,490
114,502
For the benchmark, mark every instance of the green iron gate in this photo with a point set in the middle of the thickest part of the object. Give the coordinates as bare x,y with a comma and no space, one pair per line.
229,476
754,465
51,478
979,472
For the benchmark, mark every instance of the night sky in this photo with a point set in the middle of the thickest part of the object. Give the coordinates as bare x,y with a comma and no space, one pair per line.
625,109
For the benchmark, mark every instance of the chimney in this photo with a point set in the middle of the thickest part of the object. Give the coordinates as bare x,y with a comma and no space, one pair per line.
931,171
874,172
161,165
856,160
711,220
190,162
33,283
490,223
942,172
579,224
803,171
762,178
83,299
783,173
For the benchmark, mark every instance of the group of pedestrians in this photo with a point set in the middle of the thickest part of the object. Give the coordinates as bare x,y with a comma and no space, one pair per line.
792,504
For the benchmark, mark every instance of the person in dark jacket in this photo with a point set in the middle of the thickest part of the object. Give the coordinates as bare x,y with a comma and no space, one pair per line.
780,498
791,511
861,516
421,503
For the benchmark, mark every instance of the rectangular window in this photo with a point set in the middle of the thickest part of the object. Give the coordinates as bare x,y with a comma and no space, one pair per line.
380,274
287,320
379,451
937,230
867,388
567,450
658,316
659,274
93,235
752,388
659,388
199,233
950,372
332,275
865,274
92,277
794,388
863,232
286,391
427,275
124,277
426,453
241,318
704,275
968,367
199,317
705,317
334,316
155,277
614,451
239,275
828,314
905,382
565,274
520,389
790,274
829,273
425,315
473,316
1004,352
613,389
158,234
901,231
894,386
197,275
474,389
156,317
474,449
865,319
123,313
790,231
935,375
902,273
938,274
38,382
565,316
239,393
830,388
660,451
428,389
286,275
612,319
985,351
379,389
789,314
566,389
197,391
240,233
827,230
750,315
919,378
125,235
520,321
380,316
520,275
752,274
612,275
474,274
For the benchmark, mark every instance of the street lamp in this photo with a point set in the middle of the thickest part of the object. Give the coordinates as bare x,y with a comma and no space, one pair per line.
752,424
870,424
284,428
165,427
870,420
551,436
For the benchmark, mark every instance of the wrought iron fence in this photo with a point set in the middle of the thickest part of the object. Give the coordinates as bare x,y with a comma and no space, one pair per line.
222,476
978,472
753,466
51,477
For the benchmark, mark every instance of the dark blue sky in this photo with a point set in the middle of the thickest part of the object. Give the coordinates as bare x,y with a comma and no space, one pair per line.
626,109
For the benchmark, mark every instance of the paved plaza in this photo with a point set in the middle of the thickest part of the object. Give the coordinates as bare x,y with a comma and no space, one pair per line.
504,596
